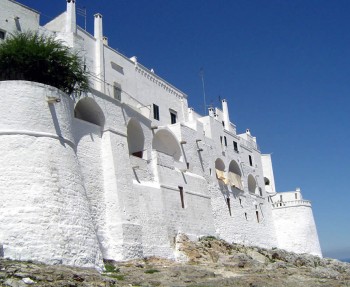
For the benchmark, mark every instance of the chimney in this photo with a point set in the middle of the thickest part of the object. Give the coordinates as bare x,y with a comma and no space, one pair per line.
98,32
71,23
99,60
105,40
190,114
226,116
211,112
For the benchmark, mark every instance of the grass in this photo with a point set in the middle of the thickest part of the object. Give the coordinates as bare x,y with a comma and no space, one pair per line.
110,268
151,271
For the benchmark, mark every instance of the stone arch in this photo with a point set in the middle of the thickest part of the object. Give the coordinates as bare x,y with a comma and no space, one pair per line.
251,184
234,168
220,169
136,138
88,110
235,175
165,141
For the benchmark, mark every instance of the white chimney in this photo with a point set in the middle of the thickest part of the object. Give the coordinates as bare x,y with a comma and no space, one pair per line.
226,116
211,112
190,114
71,23
99,69
98,31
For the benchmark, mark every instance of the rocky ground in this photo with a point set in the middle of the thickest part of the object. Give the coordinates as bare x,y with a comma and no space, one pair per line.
209,262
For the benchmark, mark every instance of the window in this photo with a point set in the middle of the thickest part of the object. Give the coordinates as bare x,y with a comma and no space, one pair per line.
2,35
117,91
296,196
250,160
257,216
223,123
225,140
155,112
281,198
235,146
173,117
221,140
181,189
188,165
228,205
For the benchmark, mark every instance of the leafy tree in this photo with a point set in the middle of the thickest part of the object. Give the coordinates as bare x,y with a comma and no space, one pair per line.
33,57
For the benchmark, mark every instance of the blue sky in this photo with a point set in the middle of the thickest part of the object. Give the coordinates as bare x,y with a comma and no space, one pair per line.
283,66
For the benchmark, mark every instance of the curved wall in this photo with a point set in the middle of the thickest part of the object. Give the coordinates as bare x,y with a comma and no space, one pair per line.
296,229
44,213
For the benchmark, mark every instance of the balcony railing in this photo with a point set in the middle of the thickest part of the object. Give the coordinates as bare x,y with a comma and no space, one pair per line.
281,204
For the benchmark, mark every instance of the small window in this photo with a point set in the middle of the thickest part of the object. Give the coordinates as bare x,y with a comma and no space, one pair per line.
235,146
260,191
221,140
223,123
181,189
257,216
188,165
2,35
173,117
225,140
246,215
155,112
117,91
296,196
281,198
228,205
250,160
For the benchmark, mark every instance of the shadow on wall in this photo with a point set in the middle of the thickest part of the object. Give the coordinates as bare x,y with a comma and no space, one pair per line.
88,110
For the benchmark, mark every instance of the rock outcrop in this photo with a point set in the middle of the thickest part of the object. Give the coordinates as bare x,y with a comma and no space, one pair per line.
207,262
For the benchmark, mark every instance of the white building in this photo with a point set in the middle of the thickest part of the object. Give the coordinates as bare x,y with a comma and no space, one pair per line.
120,172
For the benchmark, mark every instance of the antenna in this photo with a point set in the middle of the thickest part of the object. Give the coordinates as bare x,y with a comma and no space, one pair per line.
201,72
82,12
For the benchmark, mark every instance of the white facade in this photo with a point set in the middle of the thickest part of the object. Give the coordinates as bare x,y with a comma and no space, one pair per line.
118,173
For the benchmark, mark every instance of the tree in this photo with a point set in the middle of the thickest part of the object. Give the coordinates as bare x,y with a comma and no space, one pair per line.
33,57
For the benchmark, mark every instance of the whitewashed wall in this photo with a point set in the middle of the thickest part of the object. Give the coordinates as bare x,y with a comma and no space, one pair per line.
44,212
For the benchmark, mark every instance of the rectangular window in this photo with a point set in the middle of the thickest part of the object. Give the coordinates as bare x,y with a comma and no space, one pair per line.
117,91
155,112
221,140
296,196
181,189
257,216
2,35
281,198
173,117
235,146
225,140
228,205
250,160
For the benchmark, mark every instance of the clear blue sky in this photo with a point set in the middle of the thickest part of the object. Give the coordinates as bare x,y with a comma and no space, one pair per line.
283,66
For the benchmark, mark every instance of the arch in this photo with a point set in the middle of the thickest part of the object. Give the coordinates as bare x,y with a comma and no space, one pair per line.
136,138
266,181
251,184
234,168
164,141
234,175
219,164
88,110
220,170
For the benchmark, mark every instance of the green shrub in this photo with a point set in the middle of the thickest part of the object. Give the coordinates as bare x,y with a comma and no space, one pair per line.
33,57
151,271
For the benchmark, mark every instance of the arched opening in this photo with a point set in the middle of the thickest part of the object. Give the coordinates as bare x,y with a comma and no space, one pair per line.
267,181
234,175
88,110
165,142
220,170
136,138
251,184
